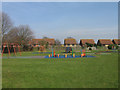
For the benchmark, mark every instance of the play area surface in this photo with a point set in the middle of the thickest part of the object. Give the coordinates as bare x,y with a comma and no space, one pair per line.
69,56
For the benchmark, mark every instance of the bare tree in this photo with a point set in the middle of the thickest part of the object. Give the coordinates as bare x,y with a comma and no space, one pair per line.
0,29
45,37
21,35
24,34
12,35
6,23
69,37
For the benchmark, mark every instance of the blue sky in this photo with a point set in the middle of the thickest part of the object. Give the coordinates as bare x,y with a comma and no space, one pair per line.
88,20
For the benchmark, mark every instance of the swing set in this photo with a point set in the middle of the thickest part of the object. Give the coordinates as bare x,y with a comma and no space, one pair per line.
9,47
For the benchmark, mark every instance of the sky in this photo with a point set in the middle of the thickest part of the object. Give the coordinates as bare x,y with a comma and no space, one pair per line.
59,20
60,0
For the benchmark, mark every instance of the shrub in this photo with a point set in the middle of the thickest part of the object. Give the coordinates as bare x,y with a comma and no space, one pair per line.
90,48
117,47
89,45
110,46
31,48
25,48
95,45
82,47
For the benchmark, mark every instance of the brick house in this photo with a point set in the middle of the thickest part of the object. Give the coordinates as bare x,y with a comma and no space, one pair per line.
84,41
70,42
36,42
104,42
116,41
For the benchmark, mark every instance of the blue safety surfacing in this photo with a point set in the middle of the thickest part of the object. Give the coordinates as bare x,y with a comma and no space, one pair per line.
62,56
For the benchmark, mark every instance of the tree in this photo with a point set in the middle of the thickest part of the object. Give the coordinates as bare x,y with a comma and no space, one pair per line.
0,28
95,45
69,37
45,37
24,34
57,42
12,35
6,23
4,38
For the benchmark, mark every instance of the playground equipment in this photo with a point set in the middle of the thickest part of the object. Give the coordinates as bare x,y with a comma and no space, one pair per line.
83,53
53,54
65,55
72,51
10,47
5,45
68,49
58,55
72,55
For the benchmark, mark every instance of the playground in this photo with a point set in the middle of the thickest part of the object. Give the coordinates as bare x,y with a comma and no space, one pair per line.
63,44
55,69
69,53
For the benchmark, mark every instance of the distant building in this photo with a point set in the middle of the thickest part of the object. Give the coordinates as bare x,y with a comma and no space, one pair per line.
51,41
84,41
104,42
36,42
116,41
70,42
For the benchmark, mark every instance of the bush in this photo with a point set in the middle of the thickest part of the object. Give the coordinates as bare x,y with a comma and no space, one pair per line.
89,45
25,48
99,44
117,47
90,48
95,45
31,48
82,47
110,46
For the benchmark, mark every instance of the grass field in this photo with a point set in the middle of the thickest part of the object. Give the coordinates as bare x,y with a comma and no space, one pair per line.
98,72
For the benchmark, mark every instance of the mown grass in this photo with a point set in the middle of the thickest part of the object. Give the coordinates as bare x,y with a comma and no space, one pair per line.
98,72
36,53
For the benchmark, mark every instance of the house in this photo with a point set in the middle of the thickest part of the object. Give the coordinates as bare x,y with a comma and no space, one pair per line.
37,42
51,41
104,42
70,42
84,41
116,41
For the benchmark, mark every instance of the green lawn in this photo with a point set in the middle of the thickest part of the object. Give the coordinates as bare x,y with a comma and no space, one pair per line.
28,53
98,72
